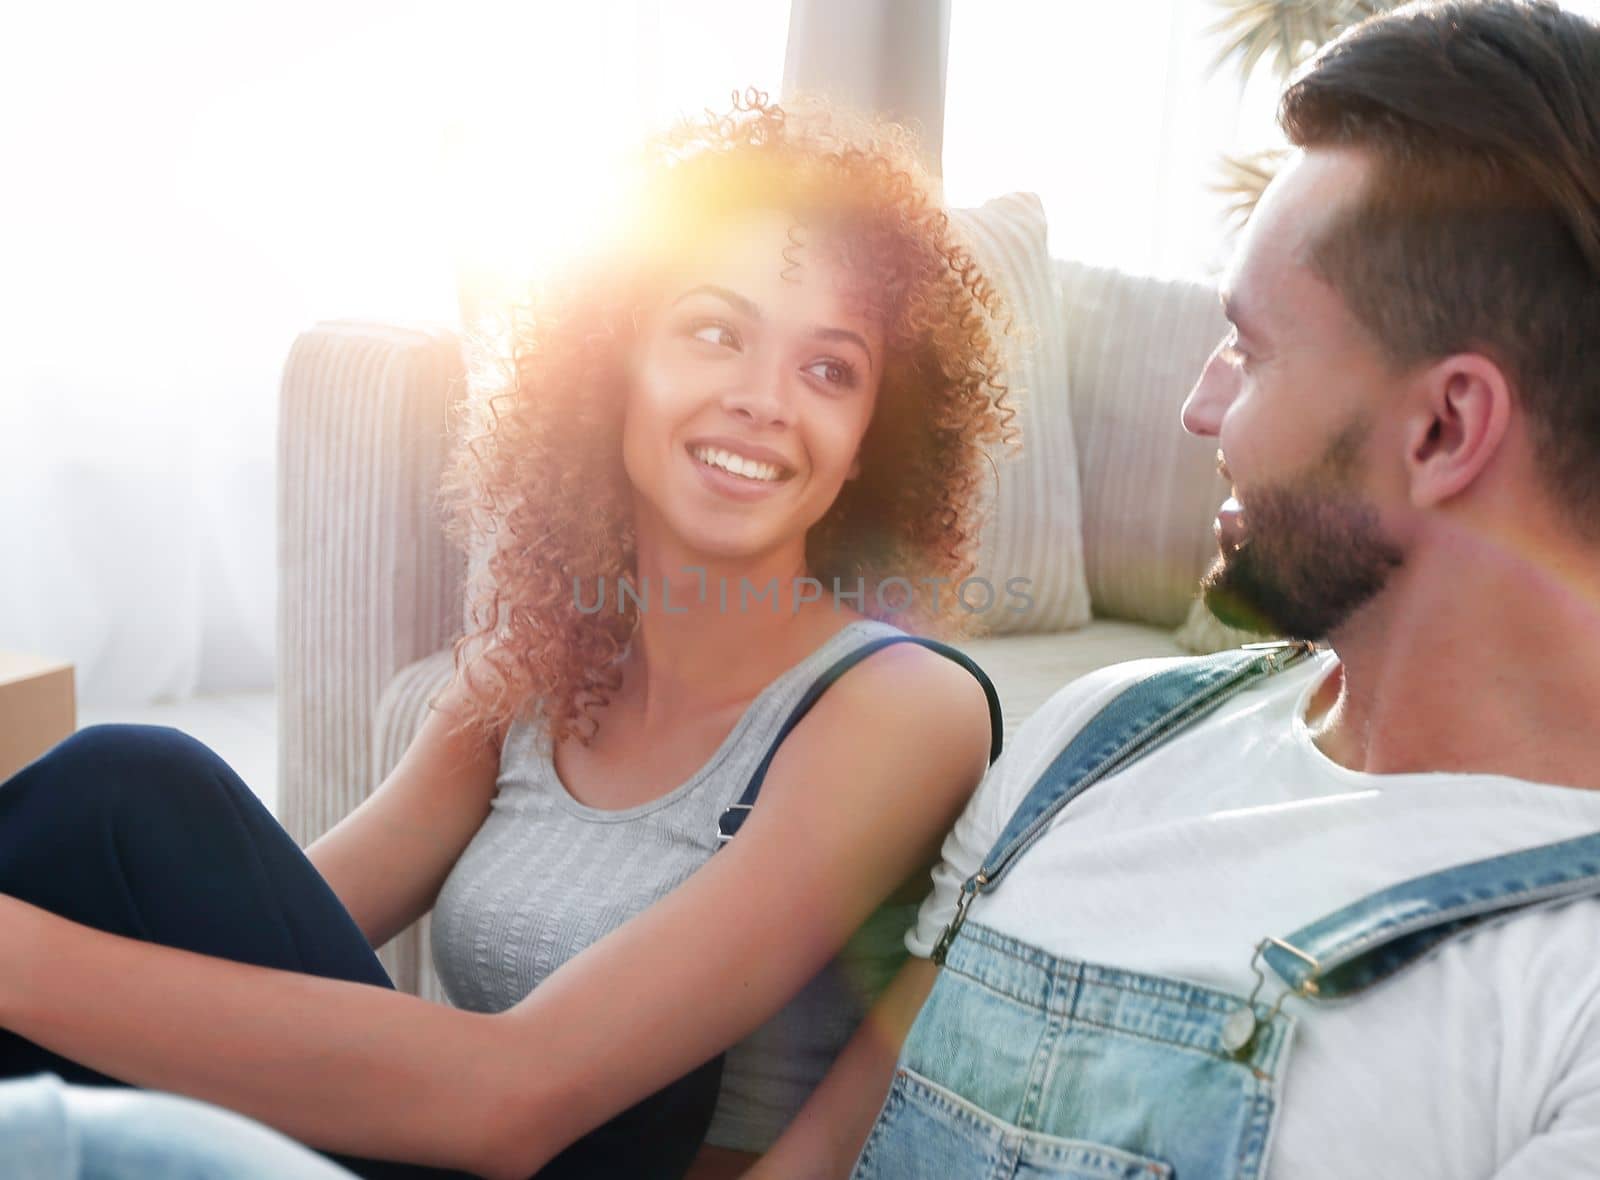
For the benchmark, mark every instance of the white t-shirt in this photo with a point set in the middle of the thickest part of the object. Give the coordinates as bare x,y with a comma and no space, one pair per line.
1481,1060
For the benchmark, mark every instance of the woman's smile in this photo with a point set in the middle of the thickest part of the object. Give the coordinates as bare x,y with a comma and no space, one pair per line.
740,471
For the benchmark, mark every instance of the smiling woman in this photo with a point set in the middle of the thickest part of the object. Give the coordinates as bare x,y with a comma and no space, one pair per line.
781,258
763,381
780,378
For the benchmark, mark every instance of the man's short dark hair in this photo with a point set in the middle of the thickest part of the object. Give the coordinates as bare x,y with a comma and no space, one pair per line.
1480,228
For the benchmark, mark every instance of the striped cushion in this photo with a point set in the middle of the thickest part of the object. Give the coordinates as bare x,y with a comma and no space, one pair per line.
1150,491
1032,526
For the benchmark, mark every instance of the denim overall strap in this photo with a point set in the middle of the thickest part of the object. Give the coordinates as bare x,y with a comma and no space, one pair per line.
1370,939
1131,725
732,819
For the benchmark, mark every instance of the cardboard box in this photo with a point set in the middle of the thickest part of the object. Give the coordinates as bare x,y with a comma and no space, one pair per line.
38,708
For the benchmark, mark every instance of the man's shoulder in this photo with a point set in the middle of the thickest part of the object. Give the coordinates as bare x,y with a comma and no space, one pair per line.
1075,704
1055,724
1534,978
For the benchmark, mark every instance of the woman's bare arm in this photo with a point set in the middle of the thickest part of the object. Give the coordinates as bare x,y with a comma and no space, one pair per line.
389,857
856,800
341,1066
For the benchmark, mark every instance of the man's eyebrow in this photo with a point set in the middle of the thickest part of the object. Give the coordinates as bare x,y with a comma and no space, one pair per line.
844,334
735,300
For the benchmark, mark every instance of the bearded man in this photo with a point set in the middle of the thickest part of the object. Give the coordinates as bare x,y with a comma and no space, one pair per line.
1329,912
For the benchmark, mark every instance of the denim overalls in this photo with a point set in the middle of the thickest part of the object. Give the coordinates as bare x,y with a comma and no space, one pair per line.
1024,1064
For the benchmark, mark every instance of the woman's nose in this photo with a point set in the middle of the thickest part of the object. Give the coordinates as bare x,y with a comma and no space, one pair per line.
760,396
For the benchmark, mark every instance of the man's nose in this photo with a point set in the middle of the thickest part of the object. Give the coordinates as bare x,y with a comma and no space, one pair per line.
1211,396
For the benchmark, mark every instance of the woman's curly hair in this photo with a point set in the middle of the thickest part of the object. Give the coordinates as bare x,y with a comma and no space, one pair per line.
536,491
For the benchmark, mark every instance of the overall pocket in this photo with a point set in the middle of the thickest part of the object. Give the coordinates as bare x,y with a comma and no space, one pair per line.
1024,1064
926,1130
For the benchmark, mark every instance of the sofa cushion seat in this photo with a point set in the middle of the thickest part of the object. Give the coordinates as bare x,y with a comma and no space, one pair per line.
1027,670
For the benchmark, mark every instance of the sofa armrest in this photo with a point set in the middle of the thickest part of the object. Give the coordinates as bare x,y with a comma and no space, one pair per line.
366,582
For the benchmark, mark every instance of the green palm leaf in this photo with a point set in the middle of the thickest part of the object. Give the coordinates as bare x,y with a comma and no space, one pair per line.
1243,179
1285,33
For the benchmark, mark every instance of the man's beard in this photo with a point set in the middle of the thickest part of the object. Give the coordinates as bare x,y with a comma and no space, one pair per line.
1312,556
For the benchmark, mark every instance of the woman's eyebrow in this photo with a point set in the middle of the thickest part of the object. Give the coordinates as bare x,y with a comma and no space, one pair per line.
737,301
749,308
846,335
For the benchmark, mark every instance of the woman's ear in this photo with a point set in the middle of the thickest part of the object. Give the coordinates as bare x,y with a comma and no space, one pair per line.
1462,418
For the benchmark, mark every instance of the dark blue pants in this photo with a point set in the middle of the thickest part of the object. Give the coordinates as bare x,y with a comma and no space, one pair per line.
145,832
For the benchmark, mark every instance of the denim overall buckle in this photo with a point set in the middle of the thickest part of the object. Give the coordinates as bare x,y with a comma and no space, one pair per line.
969,890
1239,1029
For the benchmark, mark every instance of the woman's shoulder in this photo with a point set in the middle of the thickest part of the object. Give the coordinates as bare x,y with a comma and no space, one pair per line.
904,731
903,681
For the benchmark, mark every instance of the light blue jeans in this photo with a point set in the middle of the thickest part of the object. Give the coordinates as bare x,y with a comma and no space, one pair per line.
52,1131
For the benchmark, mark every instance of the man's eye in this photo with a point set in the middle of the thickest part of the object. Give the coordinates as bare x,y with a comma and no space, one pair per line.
840,373
714,332
1231,353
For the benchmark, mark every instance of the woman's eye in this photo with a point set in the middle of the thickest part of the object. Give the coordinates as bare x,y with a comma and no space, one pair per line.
838,373
1231,353
714,332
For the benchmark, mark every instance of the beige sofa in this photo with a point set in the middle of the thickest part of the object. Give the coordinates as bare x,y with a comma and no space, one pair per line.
369,596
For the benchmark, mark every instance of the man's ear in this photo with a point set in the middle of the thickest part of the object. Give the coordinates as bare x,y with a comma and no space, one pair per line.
1461,420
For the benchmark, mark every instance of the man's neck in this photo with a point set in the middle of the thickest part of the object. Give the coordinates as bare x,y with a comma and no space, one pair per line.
1477,658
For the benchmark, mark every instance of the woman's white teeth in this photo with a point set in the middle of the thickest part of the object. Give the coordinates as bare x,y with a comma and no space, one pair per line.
738,464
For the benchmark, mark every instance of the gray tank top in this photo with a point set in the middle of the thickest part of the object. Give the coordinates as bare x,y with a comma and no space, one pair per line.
546,876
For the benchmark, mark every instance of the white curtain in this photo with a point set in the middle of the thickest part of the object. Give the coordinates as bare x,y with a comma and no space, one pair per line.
188,185
887,56
1110,112
1113,113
